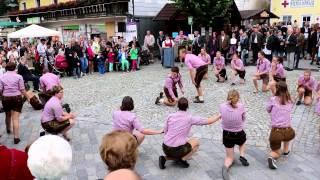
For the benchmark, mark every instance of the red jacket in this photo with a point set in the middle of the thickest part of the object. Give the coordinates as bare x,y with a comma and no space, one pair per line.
13,164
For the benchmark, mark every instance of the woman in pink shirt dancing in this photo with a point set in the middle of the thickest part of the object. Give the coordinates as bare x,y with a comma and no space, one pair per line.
262,73
306,84
176,145
219,67
232,120
280,107
277,73
11,88
126,120
237,69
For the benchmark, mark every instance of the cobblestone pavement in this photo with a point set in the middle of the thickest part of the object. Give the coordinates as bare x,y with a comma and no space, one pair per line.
94,97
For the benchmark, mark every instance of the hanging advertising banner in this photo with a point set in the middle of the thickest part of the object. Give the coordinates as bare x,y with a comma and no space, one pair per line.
131,31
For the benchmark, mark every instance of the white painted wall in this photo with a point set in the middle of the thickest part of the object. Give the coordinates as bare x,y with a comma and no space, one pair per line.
251,4
147,7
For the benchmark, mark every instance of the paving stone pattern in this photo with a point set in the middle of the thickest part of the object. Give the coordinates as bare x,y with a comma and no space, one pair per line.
94,97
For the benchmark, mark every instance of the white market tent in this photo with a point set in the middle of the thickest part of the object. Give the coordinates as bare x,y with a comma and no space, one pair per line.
33,31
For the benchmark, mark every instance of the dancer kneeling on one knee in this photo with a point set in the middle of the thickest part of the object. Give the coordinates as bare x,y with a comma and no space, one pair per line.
176,145
219,68
126,120
237,69
306,84
280,107
262,73
53,119
170,89
277,73
232,120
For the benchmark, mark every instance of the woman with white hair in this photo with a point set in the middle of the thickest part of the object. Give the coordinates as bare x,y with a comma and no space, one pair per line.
49,157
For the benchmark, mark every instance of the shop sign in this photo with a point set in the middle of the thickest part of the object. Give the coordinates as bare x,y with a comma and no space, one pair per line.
131,31
301,3
33,20
190,20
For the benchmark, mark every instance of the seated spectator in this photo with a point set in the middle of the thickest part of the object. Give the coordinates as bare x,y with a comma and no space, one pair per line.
119,150
53,119
123,174
27,75
16,170
50,157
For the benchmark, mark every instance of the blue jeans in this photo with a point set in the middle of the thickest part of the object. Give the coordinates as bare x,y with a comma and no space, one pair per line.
84,64
76,72
101,68
244,56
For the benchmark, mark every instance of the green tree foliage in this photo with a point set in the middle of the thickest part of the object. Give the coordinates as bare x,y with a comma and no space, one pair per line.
204,11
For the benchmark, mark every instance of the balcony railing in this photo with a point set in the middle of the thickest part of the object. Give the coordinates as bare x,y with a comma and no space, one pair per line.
111,8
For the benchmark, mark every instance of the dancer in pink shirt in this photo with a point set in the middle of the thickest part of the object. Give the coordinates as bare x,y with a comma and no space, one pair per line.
277,73
237,69
170,89
262,73
126,120
197,69
232,120
219,67
280,107
176,145
306,84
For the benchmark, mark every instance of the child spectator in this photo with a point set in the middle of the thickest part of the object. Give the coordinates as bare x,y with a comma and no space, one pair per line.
134,57
123,60
111,59
76,65
101,63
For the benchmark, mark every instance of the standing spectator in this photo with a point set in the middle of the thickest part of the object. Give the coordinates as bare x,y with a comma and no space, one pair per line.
306,31
314,38
233,45
42,48
11,88
196,43
83,58
101,63
281,47
299,49
168,54
213,45
160,40
134,57
268,46
24,49
61,50
69,57
224,42
111,59
76,65
291,42
91,57
149,42
255,43
244,46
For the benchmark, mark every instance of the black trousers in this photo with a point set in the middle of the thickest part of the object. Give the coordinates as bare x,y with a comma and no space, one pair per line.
35,81
297,57
255,49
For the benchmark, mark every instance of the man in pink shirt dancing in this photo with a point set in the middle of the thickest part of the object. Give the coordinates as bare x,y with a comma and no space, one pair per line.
197,69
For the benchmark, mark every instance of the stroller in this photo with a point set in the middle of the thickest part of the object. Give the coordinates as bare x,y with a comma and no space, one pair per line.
145,56
60,65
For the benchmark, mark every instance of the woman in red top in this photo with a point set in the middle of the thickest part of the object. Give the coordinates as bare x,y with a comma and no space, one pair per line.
14,164
111,59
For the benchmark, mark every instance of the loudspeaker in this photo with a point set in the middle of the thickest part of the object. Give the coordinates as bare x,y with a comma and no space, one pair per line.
121,27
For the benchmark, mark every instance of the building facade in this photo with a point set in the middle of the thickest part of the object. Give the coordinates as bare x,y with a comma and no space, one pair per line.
299,10
244,5
73,18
